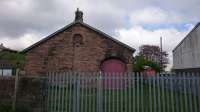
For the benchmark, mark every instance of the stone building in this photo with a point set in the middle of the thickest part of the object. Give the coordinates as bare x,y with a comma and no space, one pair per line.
186,54
78,47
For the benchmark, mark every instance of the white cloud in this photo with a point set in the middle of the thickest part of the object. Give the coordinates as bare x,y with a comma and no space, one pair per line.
154,15
21,42
19,17
137,36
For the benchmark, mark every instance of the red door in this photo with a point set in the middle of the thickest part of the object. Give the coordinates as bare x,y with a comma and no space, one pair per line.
113,66
113,70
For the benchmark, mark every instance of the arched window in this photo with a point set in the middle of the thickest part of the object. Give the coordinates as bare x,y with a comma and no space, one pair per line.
78,39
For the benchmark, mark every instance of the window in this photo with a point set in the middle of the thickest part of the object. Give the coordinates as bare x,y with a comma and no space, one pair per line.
78,39
5,72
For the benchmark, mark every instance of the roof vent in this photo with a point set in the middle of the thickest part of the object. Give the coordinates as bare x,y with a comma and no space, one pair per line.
78,16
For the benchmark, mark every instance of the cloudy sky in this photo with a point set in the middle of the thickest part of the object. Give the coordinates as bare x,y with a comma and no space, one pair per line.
134,22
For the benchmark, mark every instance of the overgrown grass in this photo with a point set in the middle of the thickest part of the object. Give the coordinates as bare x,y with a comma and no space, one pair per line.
5,108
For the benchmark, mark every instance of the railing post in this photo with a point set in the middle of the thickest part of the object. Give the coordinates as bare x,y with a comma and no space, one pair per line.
74,90
172,92
194,92
78,93
99,93
198,89
158,78
154,92
48,108
142,94
190,91
76,96
149,94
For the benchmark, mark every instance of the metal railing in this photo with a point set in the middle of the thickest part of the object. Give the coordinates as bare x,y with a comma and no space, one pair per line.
115,92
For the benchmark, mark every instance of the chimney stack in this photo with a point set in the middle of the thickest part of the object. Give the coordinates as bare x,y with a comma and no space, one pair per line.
78,16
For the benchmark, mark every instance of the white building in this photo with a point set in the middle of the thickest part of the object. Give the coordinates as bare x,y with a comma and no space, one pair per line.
186,55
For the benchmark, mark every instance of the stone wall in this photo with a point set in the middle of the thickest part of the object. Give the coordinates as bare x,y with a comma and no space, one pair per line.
30,93
7,85
62,52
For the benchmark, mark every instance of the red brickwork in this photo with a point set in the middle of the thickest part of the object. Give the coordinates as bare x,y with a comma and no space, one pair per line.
63,52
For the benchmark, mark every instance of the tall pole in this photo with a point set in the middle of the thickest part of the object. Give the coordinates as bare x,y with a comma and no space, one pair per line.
15,90
161,64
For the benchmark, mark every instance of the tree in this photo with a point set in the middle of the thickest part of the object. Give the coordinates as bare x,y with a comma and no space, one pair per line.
140,62
16,59
153,53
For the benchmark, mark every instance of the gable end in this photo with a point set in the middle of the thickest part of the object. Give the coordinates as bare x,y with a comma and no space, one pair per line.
70,25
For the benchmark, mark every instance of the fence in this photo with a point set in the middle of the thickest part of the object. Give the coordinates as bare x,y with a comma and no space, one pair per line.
130,92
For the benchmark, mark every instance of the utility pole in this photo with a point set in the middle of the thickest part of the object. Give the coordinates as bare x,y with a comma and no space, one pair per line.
161,56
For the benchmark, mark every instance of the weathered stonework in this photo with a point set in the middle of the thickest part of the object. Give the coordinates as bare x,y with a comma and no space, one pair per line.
61,53
7,85
30,93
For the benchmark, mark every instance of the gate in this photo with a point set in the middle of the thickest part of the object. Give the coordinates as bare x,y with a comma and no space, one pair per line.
86,92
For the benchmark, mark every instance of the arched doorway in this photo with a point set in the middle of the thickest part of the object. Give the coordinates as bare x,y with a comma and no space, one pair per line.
113,66
113,71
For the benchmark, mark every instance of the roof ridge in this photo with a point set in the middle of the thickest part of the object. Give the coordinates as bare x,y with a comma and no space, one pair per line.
69,25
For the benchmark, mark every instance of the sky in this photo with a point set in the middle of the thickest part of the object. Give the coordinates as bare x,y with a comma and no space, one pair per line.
134,22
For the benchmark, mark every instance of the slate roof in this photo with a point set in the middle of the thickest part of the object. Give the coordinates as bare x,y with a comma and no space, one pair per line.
70,25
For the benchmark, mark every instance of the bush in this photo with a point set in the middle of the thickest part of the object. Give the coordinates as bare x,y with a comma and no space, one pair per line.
140,62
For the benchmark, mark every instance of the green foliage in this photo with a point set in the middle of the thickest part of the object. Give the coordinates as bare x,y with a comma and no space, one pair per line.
23,108
16,59
140,62
5,108
154,52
